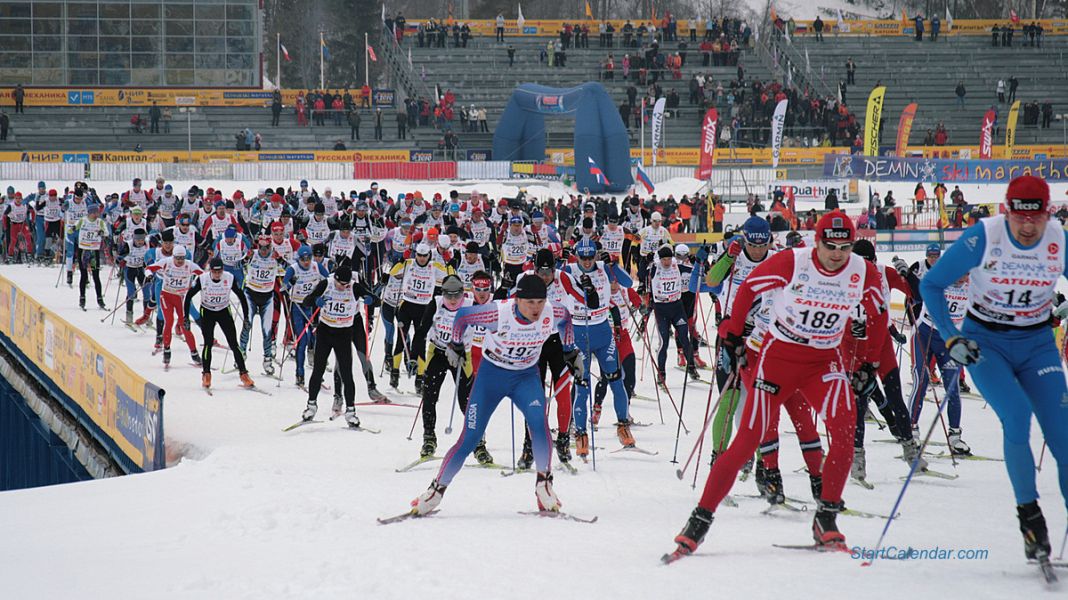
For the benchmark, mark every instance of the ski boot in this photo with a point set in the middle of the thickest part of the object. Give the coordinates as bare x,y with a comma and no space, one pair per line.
816,482
824,528
430,445
582,444
526,458
143,318
351,418
859,469
100,303
543,491
482,454
81,302
773,491
300,381
309,411
661,379
596,415
246,381
1033,528
70,278
964,387
624,435
428,500
411,367
910,452
387,361
692,372
419,385
196,358
697,361
563,447
268,366
205,380
957,445
693,533
166,357
339,405
376,396
760,477
129,318
394,378
682,359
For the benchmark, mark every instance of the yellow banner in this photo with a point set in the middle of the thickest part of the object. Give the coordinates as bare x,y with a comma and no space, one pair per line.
208,156
1010,128
109,397
871,121
161,96
723,156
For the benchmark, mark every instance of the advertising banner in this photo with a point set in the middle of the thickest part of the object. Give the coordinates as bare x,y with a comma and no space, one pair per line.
945,170
124,410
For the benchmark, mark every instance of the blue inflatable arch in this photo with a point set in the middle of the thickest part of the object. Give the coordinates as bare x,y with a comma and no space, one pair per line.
599,132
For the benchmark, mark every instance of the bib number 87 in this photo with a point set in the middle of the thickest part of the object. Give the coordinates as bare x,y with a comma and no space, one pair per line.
819,319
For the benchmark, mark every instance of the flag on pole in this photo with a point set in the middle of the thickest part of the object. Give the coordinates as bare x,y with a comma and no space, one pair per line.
949,17
597,173
1015,18
589,11
326,51
285,53
371,53
520,20
383,13
410,57
644,179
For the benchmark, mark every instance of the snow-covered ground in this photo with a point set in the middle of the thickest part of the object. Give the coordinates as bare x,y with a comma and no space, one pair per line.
252,512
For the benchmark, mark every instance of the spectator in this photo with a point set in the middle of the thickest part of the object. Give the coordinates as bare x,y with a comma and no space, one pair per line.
5,123
301,108
19,95
137,124
851,71
276,108
154,115
482,125
354,124
831,201
1006,35
936,27
337,107
1001,91
340,145
941,136
1013,84
1047,114
718,211
960,92
817,27
167,116
319,112
365,96
995,33
919,27
250,138
511,55
378,123
500,27
402,125
929,139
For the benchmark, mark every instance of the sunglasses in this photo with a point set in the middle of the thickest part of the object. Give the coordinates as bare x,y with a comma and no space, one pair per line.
1038,217
482,288
844,246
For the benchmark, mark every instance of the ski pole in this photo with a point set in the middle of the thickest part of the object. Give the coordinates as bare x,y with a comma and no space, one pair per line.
455,398
710,415
942,420
1041,456
286,354
116,309
901,494
513,435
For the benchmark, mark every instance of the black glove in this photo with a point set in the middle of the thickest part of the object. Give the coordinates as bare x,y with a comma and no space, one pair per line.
593,300
898,336
900,265
574,362
455,354
963,350
508,280
734,346
605,257
863,380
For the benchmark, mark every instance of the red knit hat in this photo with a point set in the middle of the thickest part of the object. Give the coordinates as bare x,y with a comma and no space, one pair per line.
1027,193
836,227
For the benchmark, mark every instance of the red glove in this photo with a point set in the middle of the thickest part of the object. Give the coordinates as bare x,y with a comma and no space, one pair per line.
734,249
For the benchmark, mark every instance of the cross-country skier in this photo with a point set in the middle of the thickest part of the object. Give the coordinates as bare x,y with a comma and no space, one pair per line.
90,232
214,288
515,332
175,274
300,279
1013,262
814,294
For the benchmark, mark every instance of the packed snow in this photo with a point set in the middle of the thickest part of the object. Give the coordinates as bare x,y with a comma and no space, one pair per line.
247,511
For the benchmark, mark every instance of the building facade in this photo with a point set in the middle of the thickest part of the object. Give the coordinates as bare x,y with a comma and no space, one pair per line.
191,43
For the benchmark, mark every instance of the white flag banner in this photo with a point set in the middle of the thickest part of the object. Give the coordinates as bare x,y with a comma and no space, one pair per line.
658,125
808,65
520,20
778,121
949,18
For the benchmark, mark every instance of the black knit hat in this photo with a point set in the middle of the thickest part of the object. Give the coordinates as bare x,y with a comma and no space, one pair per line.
531,288
343,274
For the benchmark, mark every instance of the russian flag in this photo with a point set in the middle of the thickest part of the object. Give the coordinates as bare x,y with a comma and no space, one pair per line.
285,53
646,182
597,172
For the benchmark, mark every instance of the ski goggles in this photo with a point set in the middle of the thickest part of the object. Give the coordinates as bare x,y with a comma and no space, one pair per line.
842,246
482,285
